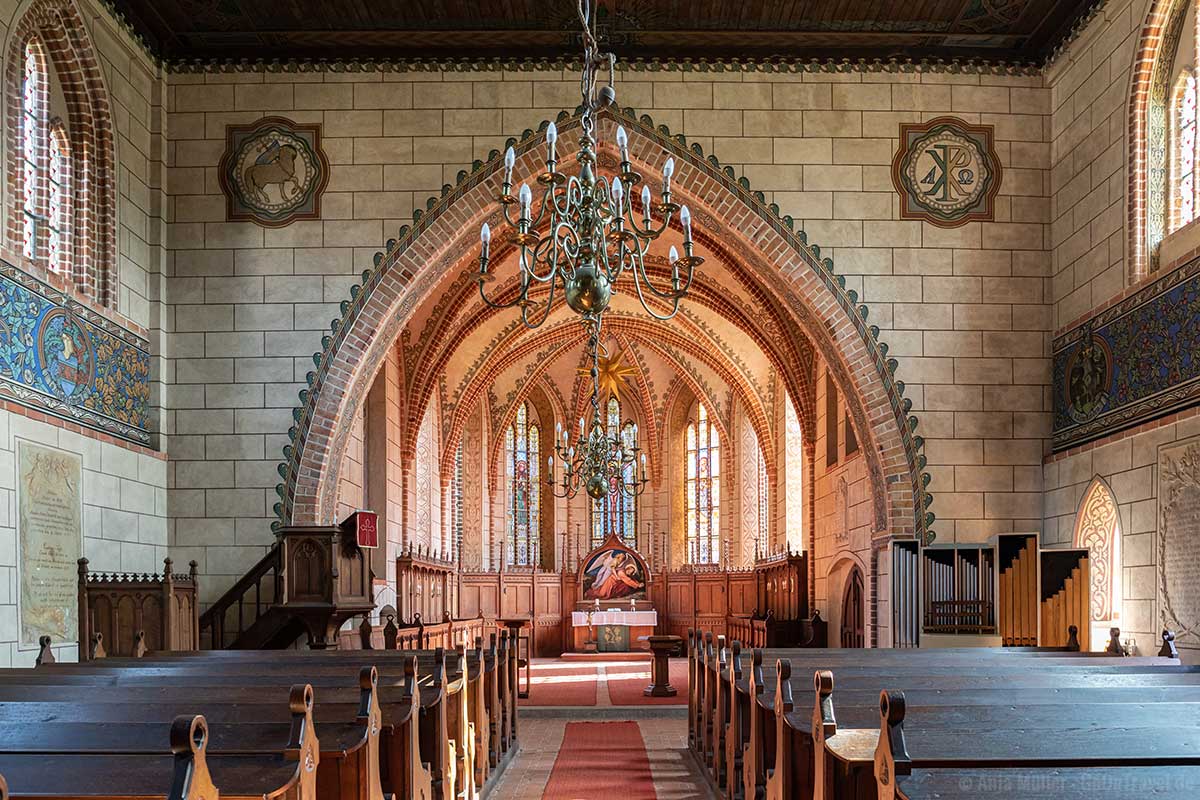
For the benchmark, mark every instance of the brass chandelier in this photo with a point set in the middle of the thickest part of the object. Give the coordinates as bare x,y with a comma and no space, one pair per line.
592,233
599,462
592,236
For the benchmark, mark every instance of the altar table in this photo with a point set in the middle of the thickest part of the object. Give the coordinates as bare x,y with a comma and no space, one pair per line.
616,630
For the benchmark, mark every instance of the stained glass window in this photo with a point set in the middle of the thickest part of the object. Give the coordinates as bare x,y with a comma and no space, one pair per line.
1183,153
617,512
521,444
703,490
33,94
58,210
764,508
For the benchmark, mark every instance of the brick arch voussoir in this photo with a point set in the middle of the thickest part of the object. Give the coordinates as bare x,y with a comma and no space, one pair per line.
406,272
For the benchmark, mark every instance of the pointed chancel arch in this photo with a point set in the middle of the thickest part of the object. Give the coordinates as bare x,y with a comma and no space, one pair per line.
728,216
1098,529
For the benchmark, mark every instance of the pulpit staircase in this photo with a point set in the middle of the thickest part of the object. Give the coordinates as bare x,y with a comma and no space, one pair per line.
312,580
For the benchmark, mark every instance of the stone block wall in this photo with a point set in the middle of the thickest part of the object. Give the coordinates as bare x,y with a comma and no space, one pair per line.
124,486
965,311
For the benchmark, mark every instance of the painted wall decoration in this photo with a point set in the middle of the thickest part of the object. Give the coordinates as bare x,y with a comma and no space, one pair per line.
1178,545
947,172
64,359
613,572
1135,361
273,172
50,529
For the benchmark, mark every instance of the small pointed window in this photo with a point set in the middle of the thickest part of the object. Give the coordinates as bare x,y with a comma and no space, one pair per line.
703,489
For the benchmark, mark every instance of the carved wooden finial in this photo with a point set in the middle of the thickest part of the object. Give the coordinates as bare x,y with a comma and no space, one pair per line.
45,654
1073,638
365,629
139,644
96,650
189,742
1168,645
891,754
302,743
1114,643
390,633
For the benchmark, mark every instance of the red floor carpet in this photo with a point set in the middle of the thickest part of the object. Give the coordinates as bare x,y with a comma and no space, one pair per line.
627,682
561,685
601,759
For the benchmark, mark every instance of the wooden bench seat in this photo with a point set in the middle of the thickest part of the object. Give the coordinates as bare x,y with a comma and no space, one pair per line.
183,771
733,704
344,750
1078,783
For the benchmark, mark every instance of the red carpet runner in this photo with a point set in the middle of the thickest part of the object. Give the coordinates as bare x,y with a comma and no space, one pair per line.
601,759
627,682
561,685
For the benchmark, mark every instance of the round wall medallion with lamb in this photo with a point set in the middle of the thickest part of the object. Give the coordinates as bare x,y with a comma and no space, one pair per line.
273,172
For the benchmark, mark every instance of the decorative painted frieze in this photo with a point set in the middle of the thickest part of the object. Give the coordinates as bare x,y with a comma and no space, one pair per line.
63,358
1130,363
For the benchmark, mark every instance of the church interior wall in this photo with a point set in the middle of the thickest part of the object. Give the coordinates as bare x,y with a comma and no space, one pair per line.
964,310
124,486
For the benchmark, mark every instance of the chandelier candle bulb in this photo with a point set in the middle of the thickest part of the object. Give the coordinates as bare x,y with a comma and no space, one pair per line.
618,193
646,206
673,254
510,158
526,198
685,219
668,171
551,138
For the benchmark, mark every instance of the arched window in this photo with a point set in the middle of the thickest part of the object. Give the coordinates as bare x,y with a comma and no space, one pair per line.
59,205
617,512
1098,529
764,507
33,111
61,155
1163,136
703,489
1182,183
521,447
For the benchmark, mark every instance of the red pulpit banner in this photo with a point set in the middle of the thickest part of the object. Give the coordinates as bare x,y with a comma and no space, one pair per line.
365,527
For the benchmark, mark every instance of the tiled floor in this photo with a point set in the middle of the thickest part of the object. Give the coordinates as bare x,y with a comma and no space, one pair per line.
664,731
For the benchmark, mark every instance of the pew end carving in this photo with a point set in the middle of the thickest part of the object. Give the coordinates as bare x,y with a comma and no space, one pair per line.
189,743
891,753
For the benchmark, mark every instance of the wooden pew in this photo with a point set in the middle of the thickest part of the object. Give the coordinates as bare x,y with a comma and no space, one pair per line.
1079,783
183,771
755,726
340,752
491,701
1159,739
448,754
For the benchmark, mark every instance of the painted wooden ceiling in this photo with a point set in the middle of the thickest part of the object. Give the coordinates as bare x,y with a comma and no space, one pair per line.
1012,31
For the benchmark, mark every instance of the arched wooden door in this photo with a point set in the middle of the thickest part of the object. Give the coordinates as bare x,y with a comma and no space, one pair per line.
854,611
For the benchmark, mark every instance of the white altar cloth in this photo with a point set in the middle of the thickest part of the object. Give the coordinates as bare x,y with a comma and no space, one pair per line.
638,619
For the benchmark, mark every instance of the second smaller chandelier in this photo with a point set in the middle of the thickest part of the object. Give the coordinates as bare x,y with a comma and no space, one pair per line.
593,233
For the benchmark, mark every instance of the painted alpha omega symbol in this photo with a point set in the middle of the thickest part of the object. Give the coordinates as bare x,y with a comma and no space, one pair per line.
947,172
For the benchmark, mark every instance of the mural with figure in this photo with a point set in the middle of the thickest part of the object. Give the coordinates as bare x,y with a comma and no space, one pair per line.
613,572
1132,362
64,359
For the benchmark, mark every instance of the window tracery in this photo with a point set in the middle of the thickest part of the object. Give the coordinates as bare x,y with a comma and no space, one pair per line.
617,512
703,489
522,448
